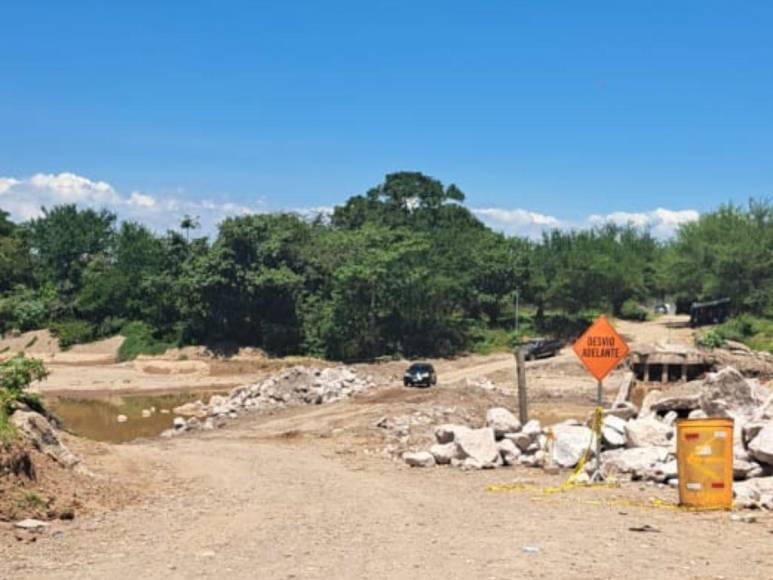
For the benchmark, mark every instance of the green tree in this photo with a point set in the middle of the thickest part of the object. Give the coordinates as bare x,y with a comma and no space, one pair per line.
246,288
189,223
726,253
65,239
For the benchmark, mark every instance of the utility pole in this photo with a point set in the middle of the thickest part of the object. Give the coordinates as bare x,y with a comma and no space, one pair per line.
523,400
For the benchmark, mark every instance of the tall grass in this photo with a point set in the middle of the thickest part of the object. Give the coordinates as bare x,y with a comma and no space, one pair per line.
755,332
139,339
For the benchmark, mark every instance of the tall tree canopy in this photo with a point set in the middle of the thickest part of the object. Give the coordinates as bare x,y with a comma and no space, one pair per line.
403,268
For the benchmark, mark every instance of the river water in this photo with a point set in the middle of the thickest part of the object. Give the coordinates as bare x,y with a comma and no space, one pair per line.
97,417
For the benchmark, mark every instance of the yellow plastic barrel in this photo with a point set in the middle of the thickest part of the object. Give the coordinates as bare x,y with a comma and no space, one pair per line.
704,453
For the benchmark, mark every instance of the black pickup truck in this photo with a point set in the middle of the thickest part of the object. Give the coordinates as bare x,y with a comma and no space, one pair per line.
541,348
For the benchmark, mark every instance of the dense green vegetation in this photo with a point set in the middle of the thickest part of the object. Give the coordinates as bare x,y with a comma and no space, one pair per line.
403,269
754,331
16,374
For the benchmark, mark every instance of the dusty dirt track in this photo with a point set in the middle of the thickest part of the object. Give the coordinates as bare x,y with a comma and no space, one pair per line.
305,493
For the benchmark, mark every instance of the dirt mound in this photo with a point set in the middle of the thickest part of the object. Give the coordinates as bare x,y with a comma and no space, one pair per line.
162,366
107,346
45,346
31,485
39,343
40,478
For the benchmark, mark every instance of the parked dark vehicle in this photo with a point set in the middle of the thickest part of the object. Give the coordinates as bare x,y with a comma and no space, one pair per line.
541,348
420,375
714,312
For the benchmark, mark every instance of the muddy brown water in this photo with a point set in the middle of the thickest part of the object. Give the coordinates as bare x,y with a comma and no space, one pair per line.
97,417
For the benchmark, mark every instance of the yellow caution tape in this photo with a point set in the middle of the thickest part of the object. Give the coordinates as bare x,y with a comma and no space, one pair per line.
597,424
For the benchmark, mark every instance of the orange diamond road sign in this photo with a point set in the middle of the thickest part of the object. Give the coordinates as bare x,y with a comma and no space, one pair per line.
600,348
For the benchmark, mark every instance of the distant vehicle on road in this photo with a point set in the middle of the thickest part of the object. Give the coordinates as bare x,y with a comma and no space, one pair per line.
661,309
541,348
714,312
420,375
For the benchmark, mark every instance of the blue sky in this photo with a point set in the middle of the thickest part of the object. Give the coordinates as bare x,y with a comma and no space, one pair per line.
544,113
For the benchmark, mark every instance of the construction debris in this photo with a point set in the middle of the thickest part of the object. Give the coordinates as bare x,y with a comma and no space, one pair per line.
642,447
298,385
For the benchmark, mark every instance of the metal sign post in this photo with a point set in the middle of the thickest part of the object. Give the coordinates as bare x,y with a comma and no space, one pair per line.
600,349
598,475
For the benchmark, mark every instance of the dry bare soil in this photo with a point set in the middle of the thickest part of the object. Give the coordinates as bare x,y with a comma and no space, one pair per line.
306,493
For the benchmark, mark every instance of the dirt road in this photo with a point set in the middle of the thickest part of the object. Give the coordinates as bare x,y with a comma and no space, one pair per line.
304,493
248,502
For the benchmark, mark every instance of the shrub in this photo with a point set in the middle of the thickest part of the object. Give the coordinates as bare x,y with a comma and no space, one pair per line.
16,375
30,314
139,339
26,309
111,326
72,332
710,339
630,310
755,332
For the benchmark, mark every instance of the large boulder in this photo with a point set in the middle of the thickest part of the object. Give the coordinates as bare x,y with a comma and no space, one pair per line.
532,428
193,409
502,422
754,493
419,459
647,432
444,453
650,399
537,459
625,411
624,390
751,429
509,451
637,460
38,431
660,472
571,443
742,468
728,394
449,433
613,431
761,447
522,440
685,398
479,445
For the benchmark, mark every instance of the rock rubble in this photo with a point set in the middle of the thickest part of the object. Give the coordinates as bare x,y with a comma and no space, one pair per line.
638,445
298,385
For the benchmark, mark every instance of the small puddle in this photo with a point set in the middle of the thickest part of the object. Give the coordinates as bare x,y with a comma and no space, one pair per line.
97,417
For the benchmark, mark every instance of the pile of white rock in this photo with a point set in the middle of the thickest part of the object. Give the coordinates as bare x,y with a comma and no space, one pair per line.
636,443
503,441
298,385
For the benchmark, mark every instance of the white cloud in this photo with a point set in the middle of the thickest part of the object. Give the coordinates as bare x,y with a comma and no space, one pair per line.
6,183
517,221
71,188
142,200
663,223
24,199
